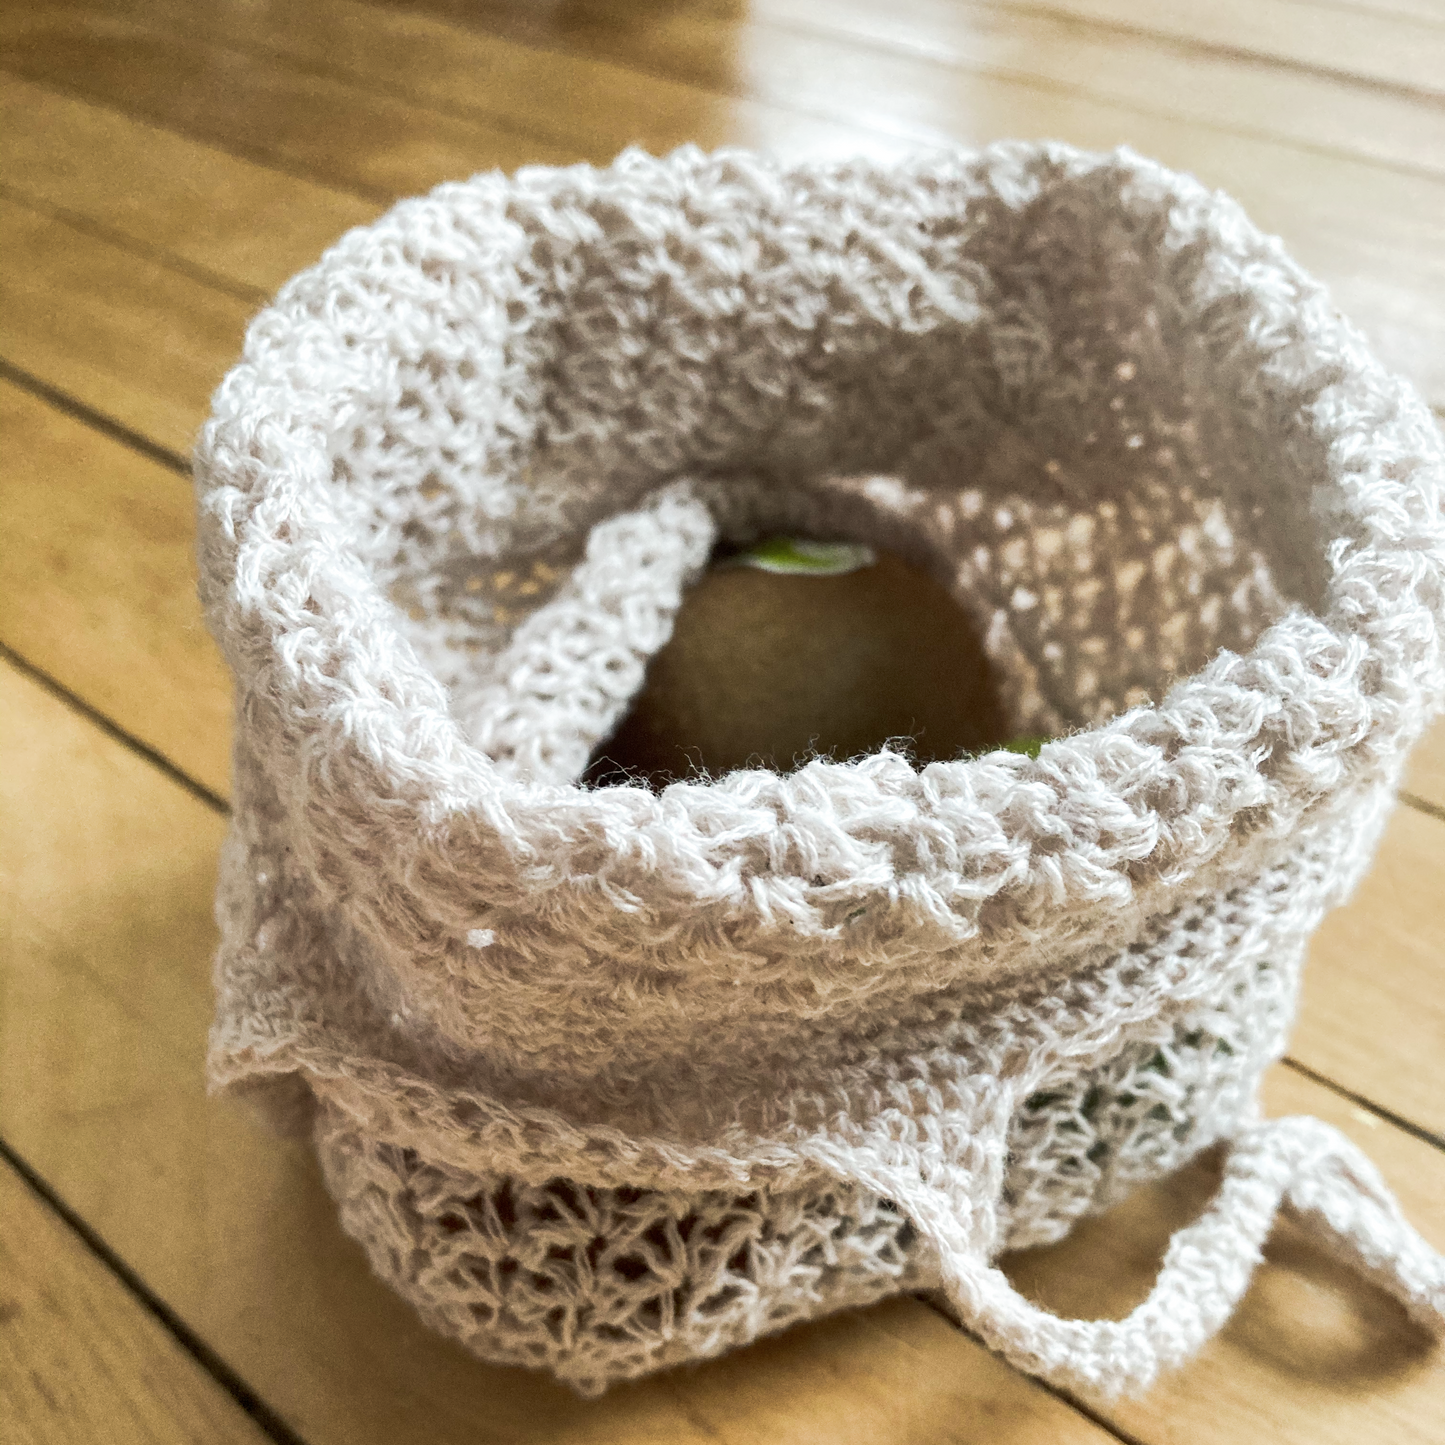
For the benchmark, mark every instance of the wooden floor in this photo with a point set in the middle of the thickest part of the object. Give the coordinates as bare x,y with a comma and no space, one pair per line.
169,1271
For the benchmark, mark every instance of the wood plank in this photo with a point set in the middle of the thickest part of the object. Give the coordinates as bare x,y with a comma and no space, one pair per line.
1387,48
97,583
314,125
108,870
589,108
573,97
126,335
1314,1356
1373,1013
1425,777
1377,237
81,1358
1425,10
246,223
1224,83
1037,44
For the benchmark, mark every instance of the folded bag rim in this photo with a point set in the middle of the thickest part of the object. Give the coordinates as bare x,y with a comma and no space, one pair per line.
312,638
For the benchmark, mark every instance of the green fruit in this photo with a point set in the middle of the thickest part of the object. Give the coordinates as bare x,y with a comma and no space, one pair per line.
1026,745
799,557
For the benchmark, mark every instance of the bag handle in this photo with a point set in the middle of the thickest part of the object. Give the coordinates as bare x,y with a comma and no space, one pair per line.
570,671
1337,1192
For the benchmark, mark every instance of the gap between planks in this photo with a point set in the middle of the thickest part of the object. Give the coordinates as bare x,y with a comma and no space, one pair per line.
95,1261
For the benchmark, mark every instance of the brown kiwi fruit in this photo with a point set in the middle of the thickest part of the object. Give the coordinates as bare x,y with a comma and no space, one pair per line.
767,670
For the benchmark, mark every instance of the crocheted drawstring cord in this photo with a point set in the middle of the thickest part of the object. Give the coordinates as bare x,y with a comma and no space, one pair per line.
1326,1180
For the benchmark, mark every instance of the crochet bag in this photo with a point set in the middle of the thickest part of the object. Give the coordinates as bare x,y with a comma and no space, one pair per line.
604,1078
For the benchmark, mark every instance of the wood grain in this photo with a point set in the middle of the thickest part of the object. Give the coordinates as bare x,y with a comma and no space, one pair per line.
1384,48
97,583
242,222
108,872
1372,992
81,1359
313,125
1427,11
1133,68
1425,777
591,108
572,97
122,333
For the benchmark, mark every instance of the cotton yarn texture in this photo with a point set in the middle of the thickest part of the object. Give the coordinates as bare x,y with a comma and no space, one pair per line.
604,1078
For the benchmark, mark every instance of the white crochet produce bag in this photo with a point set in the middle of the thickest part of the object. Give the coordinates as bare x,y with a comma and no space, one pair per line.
604,1079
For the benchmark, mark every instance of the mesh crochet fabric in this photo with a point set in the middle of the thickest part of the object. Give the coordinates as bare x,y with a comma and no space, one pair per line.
603,1079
